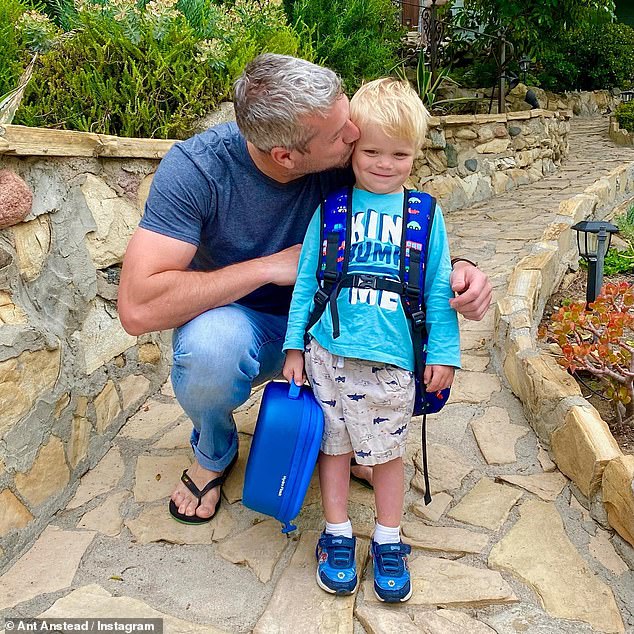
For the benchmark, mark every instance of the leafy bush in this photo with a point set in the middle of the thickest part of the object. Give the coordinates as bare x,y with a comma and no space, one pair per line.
359,39
600,342
13,55
625,117
617,262
558,70
604,55
139,68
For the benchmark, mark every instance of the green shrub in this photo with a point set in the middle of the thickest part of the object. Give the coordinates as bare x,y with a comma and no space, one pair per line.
150,69
625,116
359,39
13,54
604,55
558,70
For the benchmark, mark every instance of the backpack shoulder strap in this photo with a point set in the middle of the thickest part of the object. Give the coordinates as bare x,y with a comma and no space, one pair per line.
418,216
336,223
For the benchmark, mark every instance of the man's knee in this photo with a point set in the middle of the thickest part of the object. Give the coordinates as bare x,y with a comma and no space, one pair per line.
215,344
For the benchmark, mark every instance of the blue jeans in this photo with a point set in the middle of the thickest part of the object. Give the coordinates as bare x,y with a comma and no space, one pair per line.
218,357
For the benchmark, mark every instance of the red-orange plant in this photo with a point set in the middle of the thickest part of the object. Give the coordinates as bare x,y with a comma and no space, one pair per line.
601,341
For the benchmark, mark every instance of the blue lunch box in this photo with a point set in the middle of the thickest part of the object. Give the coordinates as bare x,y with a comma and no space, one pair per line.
283,452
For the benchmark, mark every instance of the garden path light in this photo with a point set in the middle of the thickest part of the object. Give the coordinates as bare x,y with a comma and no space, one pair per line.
593,240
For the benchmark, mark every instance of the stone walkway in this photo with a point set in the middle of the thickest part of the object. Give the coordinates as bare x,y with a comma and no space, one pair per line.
505,547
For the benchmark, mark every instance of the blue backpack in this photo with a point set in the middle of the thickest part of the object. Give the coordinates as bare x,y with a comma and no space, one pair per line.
332,276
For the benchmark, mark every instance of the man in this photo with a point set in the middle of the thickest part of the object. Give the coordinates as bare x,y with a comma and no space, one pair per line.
215,255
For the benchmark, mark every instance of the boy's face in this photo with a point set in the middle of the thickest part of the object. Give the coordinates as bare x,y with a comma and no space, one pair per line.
381,163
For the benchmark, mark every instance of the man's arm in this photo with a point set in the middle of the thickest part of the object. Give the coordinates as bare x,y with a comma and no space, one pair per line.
157,292
473,289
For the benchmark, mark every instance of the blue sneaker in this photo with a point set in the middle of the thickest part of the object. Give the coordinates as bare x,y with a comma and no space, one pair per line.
391,572
336,565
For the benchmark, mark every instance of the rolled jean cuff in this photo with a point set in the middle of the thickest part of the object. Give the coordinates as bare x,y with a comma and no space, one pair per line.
218,465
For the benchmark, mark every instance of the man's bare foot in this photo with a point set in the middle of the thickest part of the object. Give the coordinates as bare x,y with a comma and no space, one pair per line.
362,472
187,502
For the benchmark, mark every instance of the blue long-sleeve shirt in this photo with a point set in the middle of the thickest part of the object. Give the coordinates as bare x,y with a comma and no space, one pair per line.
373,323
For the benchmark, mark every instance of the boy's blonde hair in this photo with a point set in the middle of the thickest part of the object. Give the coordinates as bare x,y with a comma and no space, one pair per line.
394,106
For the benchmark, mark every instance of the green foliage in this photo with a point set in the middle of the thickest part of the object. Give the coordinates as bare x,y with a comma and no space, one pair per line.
559,70
618,262
625,117
359,39
604,54
600,342
61,12
150,69
533,26
13,54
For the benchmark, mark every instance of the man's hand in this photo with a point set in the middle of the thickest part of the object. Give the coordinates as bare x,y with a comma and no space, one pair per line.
438,377
473,289
282,266
293,369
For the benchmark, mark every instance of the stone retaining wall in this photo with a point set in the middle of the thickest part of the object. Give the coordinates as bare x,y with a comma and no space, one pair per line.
619,135
579,440
469,158
70,376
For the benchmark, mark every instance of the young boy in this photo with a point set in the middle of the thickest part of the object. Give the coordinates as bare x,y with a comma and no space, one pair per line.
363,378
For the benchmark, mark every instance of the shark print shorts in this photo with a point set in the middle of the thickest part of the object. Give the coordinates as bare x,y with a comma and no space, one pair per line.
367,406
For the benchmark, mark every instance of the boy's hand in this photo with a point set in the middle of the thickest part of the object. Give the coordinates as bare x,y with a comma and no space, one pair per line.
438,377
293,369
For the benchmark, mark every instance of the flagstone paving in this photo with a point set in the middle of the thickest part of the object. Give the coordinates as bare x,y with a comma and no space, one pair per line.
504,547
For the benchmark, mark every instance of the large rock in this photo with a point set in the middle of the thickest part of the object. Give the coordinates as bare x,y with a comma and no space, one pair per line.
103,478
155,524
48,475
582,448
487,504
151,420
447,469
14,514
16,199
448,583
538,551
23,380
156,476
134,388
474,387
496,436
94,602
442,538
259,547
618,495
32,244
313,610
545,485
31,575
102,337
107,407
106,518
115,221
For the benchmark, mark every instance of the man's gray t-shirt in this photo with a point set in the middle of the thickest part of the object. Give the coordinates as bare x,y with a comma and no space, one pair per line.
207,191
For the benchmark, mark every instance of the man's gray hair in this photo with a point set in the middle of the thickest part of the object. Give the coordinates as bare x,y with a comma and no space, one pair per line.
275,94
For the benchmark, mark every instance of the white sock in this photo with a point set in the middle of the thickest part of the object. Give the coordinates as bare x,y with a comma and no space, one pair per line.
344,529
386,534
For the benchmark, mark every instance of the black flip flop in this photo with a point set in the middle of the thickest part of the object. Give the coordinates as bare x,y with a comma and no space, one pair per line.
194,520
361,481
